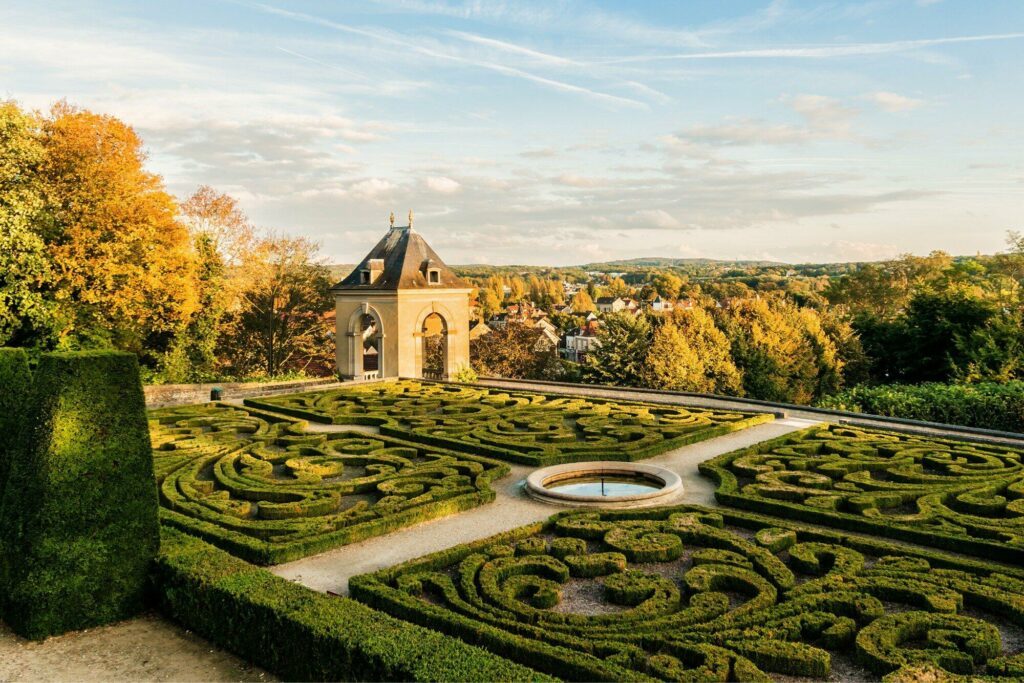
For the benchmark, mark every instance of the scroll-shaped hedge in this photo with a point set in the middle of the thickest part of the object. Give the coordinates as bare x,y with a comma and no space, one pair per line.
79,514
727,602
958,495
259,486
531,428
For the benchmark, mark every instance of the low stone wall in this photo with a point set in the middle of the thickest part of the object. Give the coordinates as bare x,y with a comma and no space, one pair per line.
161,395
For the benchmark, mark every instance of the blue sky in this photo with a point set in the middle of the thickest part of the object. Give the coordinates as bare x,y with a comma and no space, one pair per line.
564,132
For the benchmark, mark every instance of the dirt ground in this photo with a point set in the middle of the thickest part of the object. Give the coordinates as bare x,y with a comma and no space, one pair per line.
147,648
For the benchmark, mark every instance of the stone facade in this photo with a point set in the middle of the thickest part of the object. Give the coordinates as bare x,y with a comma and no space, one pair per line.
395,303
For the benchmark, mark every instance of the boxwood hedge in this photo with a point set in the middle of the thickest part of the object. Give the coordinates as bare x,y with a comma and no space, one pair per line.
744,597
530,428
78,522
967,497
303,635
16,381
257,484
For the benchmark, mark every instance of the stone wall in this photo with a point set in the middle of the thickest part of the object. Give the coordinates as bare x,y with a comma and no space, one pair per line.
160,395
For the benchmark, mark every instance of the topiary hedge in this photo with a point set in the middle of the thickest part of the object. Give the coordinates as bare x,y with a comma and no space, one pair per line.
16,381
746,597
259,486
989,405
530,428
303,635
79,515
967,497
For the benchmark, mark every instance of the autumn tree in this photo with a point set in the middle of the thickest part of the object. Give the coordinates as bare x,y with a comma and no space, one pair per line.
783,354
489,303
121,261
223,241
624,340
689,353
667,285
513,351
281,323
28,314
582,303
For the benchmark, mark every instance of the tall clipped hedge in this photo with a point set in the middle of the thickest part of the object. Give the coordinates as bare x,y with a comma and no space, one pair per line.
988,405
78,523
15,382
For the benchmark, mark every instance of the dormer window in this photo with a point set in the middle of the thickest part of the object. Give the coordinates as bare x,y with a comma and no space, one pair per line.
434,276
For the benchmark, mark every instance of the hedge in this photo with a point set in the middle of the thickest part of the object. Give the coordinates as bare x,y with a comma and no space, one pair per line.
529,428
967,497
79,516
988,405
258,485
819,593
16,381
300,634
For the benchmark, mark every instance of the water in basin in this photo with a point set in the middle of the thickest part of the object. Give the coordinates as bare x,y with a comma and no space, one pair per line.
610,486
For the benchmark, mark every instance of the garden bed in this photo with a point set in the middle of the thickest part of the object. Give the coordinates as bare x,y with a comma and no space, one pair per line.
966,497
529,428
687,593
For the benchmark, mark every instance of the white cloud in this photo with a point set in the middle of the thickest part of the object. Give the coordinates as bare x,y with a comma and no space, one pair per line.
371,188
655,218
893,102
443,184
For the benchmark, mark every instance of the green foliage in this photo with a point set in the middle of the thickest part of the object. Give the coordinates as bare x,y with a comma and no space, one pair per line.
515,350
78,522
465,374
530,428
27,314
261,487
987,405
809,597
689,353
624,340
950,494
303,635
16,381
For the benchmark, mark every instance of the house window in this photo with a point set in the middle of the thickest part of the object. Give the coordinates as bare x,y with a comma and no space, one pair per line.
434,276
364,277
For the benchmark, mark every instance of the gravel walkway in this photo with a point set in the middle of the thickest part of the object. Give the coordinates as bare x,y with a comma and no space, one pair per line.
330,571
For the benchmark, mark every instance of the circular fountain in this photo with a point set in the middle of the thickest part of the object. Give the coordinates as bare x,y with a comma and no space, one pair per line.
606,484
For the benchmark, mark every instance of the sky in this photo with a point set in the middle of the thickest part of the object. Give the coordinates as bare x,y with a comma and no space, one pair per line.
564,132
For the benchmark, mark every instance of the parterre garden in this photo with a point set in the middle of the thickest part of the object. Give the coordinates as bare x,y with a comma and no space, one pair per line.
747,592
529,428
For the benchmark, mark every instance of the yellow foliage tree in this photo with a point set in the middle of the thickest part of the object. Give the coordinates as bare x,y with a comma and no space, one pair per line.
122,260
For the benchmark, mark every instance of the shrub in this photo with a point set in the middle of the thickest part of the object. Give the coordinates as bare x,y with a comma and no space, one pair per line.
810,593
524,427
957,495
303,635
988,405
219,469
79,520
16,381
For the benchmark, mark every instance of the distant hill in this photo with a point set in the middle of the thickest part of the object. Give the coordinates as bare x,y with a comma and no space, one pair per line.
661,262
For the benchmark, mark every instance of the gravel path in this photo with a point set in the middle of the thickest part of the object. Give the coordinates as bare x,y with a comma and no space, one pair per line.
147,648
330,571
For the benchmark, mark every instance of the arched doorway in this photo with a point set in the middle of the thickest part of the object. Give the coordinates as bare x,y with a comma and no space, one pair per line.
434,347
370,334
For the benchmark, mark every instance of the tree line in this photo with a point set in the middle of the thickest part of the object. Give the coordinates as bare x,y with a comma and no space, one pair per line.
96,253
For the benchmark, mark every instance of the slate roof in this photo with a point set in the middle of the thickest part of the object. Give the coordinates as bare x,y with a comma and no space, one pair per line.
406,256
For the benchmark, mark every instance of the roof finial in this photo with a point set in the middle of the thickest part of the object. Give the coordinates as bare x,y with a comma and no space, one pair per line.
410,218
392,218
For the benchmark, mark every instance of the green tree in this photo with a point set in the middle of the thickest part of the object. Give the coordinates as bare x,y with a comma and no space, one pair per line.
624,341
28,314
689,353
